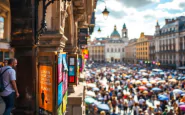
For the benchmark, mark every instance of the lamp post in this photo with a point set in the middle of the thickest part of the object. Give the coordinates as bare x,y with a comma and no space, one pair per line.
43,27
105,11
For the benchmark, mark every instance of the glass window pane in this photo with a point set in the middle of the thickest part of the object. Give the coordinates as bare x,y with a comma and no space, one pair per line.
1,27
6,54
1,56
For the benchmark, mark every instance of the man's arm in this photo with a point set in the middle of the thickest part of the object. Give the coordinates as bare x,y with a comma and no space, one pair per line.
15,88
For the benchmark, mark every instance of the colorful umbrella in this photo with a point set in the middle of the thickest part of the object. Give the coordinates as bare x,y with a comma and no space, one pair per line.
103,107
177,91
156,89
173,80
182,107
142,88
163,98
89,100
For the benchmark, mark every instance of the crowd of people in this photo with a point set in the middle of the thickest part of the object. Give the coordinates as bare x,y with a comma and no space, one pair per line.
122,90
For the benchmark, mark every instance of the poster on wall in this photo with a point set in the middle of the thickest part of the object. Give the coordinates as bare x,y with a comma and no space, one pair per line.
45,89
71,70
71,61
60,95
60,68
71,79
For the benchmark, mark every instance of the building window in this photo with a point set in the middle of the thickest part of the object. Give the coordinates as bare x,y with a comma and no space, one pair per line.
122,49
111,49
115,50
107,49
119,50
1,27
6,54
1,56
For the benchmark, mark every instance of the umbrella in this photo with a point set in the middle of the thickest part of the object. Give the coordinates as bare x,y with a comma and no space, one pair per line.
144,82
96,102
156,89
91,85
145,92
100,98
96,89
177,91
152,81
173,80
89,100
163,98
182,107
182,78
90,93
138,82
142,88
149,85
104,107
162,81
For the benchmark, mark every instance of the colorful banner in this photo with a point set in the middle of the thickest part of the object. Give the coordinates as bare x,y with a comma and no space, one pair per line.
71,70
64,83
64,57
85,53
45,88
59,110
60,95
65,102
60,68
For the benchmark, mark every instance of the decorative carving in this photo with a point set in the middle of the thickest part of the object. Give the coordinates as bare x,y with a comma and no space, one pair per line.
64,15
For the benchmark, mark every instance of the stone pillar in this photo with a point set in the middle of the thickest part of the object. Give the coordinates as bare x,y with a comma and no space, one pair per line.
23,34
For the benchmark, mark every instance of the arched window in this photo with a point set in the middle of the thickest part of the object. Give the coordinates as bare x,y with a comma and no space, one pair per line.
111,49
115,49
119,50
122,49
107,49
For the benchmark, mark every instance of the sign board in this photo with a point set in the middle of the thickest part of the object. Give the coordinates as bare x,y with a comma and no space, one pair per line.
72,69
65,83
45,88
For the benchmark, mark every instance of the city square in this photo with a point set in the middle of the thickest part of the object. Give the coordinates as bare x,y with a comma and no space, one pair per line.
92,57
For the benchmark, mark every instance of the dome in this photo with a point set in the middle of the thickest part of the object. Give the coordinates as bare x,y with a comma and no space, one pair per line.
115,33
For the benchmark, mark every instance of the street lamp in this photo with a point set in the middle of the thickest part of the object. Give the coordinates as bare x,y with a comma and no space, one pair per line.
99,30
43,27
105,11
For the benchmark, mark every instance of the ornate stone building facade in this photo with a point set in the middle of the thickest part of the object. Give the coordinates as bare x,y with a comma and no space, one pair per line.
38,29
170,42
115,45
5,29
142,48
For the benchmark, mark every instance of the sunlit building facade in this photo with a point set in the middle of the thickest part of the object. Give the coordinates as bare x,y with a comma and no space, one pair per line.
142,48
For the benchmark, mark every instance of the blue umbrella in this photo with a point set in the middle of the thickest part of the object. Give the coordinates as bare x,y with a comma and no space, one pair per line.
104,107
156,89
177,91
96,89
100,98
182,78
96,102
163,98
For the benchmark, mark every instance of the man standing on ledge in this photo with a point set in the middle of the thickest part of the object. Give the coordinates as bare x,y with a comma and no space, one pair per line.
9,80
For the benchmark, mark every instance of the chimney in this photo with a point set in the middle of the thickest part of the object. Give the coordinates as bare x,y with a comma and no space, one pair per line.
166,21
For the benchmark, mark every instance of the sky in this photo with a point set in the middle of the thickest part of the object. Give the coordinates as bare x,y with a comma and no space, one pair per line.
138,15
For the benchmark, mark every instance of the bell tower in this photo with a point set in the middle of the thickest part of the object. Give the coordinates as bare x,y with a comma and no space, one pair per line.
124,32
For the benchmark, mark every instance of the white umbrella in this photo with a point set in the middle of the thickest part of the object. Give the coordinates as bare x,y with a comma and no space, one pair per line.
90,93
91,85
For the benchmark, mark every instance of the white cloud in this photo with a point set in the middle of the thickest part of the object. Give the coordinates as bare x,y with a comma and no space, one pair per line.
136,21
174,5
